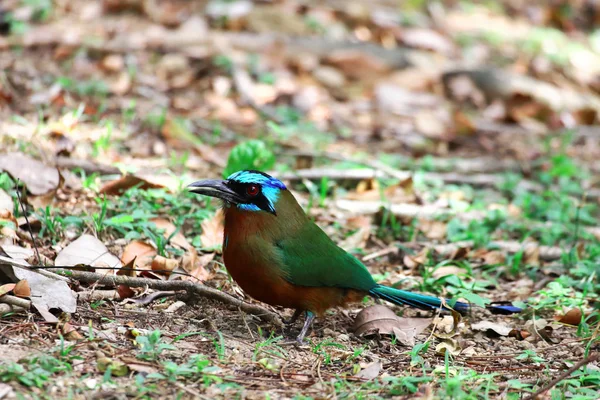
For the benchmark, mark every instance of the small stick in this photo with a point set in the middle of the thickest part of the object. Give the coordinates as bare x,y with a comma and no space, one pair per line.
15,301
590,358
190,287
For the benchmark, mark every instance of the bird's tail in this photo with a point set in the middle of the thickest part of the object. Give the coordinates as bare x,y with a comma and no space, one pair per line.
424,302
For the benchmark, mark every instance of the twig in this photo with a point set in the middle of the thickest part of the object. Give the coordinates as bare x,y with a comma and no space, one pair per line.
590,358
190,287
24,265
37,253
6,308
15,301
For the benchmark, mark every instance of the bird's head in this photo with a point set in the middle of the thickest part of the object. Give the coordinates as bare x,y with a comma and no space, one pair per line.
247,190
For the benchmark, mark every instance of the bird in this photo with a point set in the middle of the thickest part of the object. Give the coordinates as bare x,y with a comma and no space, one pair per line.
279,256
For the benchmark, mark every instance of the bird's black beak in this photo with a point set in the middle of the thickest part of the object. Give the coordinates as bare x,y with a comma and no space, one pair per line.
216,188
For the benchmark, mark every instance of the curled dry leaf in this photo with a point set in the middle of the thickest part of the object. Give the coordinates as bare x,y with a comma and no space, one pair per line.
137,255
572,317
164,265
381,320
212,231
22,289
449,346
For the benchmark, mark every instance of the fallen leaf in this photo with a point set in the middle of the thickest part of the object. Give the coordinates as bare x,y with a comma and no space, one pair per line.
498,328
137,255
38,177
450,346
371,371
6,288
70,333
572,317
164,265
414,261
87,250
212,231
117,368
47,293
381,320
17,252
195,266
448,270
127,182
22,289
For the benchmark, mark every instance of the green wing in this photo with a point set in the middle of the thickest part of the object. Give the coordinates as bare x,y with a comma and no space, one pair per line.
311,258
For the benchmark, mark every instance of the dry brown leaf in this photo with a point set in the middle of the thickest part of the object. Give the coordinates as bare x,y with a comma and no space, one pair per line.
572,317
22,289
448,270
70,333
164,265
177,239
195,266
127,182
38,178
125,292
413,261
137,255
212,231
381,320
356,64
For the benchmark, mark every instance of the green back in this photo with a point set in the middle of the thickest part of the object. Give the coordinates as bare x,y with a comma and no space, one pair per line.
311,258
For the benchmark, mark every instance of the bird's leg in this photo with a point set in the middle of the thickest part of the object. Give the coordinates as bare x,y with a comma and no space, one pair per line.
307,322
294,317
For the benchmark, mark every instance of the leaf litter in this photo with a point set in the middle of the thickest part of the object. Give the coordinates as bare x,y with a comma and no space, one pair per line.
180,88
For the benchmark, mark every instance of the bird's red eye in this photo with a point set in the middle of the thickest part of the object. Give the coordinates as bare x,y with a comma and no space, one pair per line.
252,190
